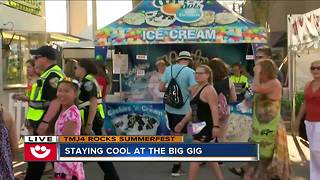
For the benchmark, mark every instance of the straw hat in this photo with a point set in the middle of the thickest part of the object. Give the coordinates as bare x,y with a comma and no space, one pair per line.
184,55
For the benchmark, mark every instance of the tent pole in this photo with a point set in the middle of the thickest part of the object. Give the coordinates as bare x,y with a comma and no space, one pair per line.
120,87
94,19
293,86
291,73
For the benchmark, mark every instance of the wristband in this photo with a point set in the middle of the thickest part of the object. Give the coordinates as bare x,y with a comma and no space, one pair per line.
216,126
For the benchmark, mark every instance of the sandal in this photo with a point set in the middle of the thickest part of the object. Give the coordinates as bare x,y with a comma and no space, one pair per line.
237,171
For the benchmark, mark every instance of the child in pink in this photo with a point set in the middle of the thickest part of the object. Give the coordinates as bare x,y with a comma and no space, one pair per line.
68,123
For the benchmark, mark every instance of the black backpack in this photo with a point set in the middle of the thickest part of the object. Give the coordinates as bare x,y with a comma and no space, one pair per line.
173,95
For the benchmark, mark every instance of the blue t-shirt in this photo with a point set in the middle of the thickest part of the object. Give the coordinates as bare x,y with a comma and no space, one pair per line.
186,79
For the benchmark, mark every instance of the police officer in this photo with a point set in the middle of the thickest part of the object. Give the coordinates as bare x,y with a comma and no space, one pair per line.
240,81
43,103
91,109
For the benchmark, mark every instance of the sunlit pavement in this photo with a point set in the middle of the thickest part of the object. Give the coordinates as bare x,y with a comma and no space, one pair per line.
299,155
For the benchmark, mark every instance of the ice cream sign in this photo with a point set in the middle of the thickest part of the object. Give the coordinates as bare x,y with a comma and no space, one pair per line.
180,21
186,11
172,35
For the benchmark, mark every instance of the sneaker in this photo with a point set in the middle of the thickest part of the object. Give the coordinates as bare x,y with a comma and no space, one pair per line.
176,170
237,171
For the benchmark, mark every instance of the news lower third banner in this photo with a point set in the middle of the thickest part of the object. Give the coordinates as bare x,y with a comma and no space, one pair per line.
133,148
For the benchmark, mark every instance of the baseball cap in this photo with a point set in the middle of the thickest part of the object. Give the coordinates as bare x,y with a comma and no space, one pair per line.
45,51
184,55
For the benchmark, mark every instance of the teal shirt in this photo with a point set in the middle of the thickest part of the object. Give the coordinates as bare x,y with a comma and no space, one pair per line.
186,80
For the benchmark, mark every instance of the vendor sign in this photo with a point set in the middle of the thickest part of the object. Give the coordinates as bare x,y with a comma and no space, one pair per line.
180,21
194,34
28,6
137,118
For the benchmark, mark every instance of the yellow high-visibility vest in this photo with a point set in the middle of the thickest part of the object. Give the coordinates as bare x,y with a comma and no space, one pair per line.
37,105
240,82
83,105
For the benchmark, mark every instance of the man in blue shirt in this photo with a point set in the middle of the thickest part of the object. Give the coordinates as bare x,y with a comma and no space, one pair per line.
185,80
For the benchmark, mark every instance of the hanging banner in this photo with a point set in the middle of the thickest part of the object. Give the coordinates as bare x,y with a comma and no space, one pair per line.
304,29
138,118
180,21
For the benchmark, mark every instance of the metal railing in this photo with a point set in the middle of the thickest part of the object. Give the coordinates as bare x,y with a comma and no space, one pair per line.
18,110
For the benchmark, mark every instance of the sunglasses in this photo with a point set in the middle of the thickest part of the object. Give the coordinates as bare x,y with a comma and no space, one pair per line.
70,80
199,73
312,68
259,57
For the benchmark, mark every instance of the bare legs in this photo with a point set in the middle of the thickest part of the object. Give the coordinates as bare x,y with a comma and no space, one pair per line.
216,170
258,170
194,168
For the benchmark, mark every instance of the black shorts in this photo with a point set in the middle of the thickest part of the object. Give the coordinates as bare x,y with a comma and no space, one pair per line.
205,135
174,119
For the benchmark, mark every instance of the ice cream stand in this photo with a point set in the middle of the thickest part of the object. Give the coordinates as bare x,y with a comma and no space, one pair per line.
162,28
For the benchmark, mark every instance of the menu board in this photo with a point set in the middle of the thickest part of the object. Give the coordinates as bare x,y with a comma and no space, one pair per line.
120,63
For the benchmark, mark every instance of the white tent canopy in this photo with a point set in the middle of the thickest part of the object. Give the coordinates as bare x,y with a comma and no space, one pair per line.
303,48
304,31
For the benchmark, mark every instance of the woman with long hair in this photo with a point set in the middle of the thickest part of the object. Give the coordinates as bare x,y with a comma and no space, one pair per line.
266,117
90,97
223,85
204,116
91,109
221,81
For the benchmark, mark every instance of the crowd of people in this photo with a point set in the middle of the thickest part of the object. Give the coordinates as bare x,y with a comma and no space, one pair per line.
60,105
202,108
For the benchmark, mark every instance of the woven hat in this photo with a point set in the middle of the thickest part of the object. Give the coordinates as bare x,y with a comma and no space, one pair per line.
184,55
